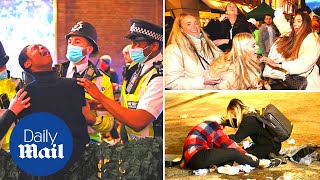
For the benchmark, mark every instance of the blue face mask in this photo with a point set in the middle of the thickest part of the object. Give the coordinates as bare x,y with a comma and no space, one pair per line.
193,38
137,55
74,53
3,74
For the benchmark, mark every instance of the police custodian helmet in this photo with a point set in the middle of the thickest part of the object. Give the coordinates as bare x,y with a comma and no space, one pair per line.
3,56
141,30
88,31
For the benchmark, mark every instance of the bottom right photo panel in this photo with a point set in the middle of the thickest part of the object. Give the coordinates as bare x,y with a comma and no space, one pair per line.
242,135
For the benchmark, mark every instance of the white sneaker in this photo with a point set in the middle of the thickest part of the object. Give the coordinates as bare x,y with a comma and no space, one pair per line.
229,170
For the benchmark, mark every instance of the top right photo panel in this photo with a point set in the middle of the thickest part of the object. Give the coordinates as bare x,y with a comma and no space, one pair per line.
242,45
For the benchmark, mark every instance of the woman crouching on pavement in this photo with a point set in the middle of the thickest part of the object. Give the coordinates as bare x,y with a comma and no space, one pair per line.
207,145
244,117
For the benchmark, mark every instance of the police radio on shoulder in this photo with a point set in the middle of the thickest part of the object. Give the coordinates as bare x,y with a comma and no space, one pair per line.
89,73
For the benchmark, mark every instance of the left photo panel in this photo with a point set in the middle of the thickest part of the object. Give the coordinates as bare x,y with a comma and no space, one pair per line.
81,89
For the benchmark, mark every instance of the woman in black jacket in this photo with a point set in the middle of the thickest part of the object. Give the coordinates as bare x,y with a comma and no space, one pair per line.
244,118
223,30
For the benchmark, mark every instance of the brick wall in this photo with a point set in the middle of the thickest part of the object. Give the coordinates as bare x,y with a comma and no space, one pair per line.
111,19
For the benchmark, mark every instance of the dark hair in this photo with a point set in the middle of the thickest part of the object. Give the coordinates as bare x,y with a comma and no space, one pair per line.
267,15
289,46
169,21
23,58
252,27
150,41
302,9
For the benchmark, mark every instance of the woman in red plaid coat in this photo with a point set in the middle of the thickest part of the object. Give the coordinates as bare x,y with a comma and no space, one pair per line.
208,145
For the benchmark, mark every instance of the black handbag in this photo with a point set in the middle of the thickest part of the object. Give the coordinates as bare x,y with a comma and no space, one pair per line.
296,82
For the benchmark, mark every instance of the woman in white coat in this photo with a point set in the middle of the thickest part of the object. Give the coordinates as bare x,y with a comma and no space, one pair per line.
188,56
238,69
296,51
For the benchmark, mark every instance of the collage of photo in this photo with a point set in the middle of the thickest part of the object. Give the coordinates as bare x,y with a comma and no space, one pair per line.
159,89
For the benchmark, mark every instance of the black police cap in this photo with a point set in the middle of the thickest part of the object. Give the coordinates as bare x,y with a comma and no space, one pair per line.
3,56
141,30
88,31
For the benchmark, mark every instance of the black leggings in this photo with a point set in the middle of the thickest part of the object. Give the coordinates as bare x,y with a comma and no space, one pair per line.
262,151
206,158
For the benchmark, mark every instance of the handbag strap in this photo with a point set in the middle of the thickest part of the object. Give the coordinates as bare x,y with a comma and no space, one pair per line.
305,76
310,71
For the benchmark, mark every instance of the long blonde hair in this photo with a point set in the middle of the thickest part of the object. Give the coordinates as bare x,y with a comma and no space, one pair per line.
184,42
240,110
245,66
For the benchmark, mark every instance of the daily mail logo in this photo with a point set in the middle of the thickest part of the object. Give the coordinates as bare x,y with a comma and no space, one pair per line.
31,150
41,144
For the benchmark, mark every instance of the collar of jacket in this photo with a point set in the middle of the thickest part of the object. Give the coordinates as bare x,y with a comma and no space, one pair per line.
45,76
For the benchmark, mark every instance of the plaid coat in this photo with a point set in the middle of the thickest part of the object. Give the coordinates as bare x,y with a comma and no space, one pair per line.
206,135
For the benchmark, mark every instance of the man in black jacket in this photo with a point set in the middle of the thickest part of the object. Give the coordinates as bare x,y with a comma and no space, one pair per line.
59,96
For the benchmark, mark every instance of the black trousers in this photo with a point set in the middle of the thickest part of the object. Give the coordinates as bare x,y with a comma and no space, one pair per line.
262,151
216,156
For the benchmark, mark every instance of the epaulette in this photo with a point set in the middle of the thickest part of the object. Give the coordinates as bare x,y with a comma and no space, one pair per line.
102,72
62,68
159,67
96,70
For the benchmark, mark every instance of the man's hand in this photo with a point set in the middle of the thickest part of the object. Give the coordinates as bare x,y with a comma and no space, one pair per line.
223,17
91,88
86,111
271,63
219,42
253,157
282,3
18,103
96,105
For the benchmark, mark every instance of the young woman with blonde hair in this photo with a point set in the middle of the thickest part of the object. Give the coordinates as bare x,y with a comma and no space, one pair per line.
244,117
296,51
188,55
238,69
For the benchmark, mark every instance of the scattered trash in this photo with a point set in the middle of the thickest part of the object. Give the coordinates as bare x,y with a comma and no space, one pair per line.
305,154
246,144
200,171
284,177
213,168
291,141
229,170
184,116
245,168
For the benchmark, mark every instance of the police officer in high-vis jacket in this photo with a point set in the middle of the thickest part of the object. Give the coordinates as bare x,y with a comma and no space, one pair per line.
7,90
142,90
82,44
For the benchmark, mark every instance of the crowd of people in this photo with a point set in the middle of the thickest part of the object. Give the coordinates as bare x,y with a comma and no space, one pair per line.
82,93
275,55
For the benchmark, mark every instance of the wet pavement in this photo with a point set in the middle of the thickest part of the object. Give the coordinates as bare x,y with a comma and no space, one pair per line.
187,109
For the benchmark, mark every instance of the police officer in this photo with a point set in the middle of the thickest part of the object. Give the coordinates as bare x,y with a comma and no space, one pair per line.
82,44
142,90
7,90
7,84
